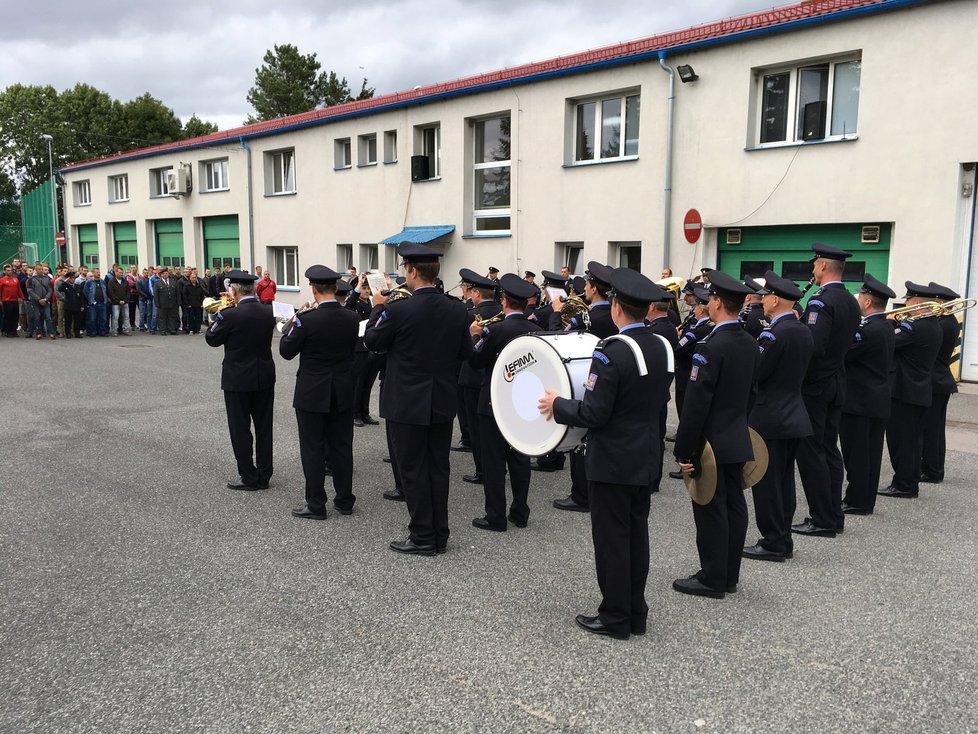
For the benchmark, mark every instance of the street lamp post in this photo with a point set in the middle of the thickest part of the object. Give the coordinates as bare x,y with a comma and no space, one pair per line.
54,205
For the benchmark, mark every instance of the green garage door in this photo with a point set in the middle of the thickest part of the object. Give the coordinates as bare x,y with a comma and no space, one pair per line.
125,243
88,245
221,245
748,252
169,242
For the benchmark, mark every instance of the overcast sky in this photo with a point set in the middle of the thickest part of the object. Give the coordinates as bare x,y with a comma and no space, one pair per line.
200,57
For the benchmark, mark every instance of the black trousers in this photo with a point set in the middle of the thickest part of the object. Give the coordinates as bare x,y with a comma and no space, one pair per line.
196,312
11,311
862,451
185,318
774,496
721,528
903,440
933,439
497,456
422,460
243,409
820,462
167,320
365,373
133,306
469,405
390,452
680,397
578,472
73,322
322,437
657,470
464,427
620,532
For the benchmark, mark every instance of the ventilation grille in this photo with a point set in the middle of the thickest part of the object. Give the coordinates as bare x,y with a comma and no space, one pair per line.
870,235
733,236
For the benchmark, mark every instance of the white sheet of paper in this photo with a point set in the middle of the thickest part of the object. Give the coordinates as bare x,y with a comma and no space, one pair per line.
283,310
377,282
555,294
363,326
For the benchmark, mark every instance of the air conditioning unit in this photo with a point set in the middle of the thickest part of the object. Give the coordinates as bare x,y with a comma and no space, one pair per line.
178,181
870,235
733,236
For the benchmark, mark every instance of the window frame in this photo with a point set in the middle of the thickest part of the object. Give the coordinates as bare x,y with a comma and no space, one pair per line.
158,188
342,154
119,184
390,146
563,258
363,150
421,148
277,165
207,167
79,187
281,257
597,126
481,215
793,114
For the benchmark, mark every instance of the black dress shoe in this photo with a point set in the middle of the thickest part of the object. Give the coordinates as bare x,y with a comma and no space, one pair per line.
239,483
892,491
472,478
760,553
594,625
306,513
483,524
570,505
676,474
518,523
441,550
639,628
343,510
369,420
413,549
462,447
931,479
850,510
387,460
358,422
695,587
395,495
810,528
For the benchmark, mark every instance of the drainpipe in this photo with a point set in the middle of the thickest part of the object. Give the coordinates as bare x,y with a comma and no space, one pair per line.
667,194
251,207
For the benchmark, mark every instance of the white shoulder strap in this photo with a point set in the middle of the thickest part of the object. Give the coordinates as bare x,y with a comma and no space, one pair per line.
643,368
670,357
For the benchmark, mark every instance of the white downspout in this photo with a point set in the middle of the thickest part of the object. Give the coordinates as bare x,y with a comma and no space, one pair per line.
667,193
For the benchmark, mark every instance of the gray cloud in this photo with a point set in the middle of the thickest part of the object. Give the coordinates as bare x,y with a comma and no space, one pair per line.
202,58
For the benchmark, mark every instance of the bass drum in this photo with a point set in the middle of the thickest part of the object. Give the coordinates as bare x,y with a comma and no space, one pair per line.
525,368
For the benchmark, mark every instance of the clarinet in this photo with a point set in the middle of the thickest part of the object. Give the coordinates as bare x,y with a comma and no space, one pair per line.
808,287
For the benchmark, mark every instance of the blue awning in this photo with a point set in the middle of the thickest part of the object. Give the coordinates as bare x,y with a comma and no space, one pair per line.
419,235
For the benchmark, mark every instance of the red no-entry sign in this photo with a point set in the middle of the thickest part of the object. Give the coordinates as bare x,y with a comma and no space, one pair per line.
692,226
59,239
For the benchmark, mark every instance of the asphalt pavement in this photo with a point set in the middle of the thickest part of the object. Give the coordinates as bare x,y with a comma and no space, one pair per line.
138,594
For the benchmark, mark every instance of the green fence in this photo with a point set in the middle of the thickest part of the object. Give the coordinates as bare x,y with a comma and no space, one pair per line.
40,222
9,242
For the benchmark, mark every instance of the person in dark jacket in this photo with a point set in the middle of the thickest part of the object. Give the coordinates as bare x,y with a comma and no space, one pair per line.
324,338
620,408
916,345
74,300
660,323
944,386
192,293
752,315
869,363
247,379
365,368
119,298
779,415
719,398
166,299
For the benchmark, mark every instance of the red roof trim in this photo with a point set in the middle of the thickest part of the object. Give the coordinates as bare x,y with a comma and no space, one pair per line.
695,34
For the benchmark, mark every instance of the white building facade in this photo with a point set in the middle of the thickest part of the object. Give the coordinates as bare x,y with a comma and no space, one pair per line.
850,122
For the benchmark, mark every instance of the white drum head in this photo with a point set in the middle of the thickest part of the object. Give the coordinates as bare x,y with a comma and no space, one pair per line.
525,368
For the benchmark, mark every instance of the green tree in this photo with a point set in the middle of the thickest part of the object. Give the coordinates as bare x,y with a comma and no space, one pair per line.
148,121
195,127
26,112
289,82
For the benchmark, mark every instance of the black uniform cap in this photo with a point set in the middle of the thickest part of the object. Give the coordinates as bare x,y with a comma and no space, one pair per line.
828,252
916,290
515,286
876,288
529,274
781,287
702,294
321,275
943,291
412,252
470,277
238,276
632,288
555,279
600,274
576,284
725,285
493,270
689,288
755,284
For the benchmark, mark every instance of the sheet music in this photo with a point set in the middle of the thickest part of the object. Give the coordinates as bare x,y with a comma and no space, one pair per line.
363,327
377,282
283,310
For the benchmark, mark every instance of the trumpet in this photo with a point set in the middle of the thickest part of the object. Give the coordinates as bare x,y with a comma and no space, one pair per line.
491,320
214,305
284,323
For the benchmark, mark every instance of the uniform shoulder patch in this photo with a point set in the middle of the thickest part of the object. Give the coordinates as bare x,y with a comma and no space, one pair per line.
601,357
812,317
591,380
699,358
816,303
694,373
768,335
906,325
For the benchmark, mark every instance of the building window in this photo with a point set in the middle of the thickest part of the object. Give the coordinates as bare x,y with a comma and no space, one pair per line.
173,262
809,102
285,266
627,254
119,188
606,128
280,172
344,258
126,261
491,175
369,257
83,193
428,145
215,175
367,150
91,260
158,185
390,146
569,254
343,156
218,263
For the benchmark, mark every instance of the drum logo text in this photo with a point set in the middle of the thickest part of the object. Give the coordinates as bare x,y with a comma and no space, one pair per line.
518,365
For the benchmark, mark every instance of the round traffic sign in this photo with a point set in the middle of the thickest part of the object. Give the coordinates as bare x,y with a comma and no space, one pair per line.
692,226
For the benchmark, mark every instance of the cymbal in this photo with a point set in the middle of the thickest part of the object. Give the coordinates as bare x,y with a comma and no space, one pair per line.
755,470
702,483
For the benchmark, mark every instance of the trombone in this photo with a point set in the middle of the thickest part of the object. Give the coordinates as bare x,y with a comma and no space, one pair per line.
929,309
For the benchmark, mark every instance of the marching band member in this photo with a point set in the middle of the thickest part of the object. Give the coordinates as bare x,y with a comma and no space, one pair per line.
719,398
247,378
916,346
496,454
833,316
869,362
660,323
621,408
597,283
779,414
425,337
944,385
699,328
325,338
752,314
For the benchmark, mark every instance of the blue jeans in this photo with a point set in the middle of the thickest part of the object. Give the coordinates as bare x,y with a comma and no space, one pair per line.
97,323
42,318
120,312
145,313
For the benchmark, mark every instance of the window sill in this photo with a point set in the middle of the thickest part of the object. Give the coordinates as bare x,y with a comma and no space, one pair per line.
342,168
288,288
485,236
426,180
119,201
366,165
78,206
798,144
214,191
280,193
387,163
603,161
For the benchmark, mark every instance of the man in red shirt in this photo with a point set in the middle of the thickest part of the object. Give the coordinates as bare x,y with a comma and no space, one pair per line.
9,298
265,288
